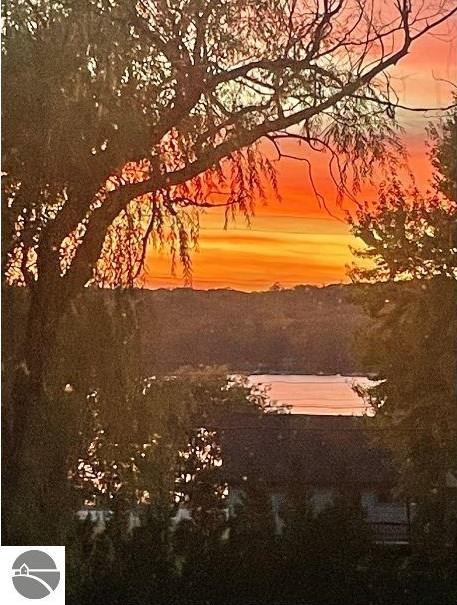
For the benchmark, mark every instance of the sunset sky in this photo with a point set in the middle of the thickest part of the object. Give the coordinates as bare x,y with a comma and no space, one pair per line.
295,241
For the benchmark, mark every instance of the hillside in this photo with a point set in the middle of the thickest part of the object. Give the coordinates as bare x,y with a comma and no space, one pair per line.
307,329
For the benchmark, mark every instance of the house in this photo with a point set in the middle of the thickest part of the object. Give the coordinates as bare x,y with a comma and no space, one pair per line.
101,516
324,456
23,571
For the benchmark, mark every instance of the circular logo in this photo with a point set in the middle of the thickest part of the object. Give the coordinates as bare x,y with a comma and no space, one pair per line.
35,574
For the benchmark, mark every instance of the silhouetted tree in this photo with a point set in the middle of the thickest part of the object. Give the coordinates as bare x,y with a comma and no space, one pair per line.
409,240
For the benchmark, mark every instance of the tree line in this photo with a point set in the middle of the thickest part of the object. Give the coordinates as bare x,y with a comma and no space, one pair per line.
306,329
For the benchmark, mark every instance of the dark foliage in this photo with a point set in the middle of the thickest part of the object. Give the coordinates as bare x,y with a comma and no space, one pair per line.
324,559
410,242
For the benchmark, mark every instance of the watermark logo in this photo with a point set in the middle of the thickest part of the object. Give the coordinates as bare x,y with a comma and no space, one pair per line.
35,574
30,573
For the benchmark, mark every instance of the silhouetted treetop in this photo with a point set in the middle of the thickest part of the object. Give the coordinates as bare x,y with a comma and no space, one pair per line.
165,102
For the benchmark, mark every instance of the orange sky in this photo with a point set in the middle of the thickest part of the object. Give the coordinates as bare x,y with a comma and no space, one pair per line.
294,241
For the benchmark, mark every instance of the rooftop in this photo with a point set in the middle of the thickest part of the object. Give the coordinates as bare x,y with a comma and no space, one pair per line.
311,449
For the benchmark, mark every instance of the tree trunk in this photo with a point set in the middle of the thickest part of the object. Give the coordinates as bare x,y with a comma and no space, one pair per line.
37,502
36,496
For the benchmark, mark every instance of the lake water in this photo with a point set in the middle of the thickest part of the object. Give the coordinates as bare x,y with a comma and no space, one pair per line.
307,394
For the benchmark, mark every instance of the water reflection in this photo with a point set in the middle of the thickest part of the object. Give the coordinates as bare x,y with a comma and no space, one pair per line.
311,394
